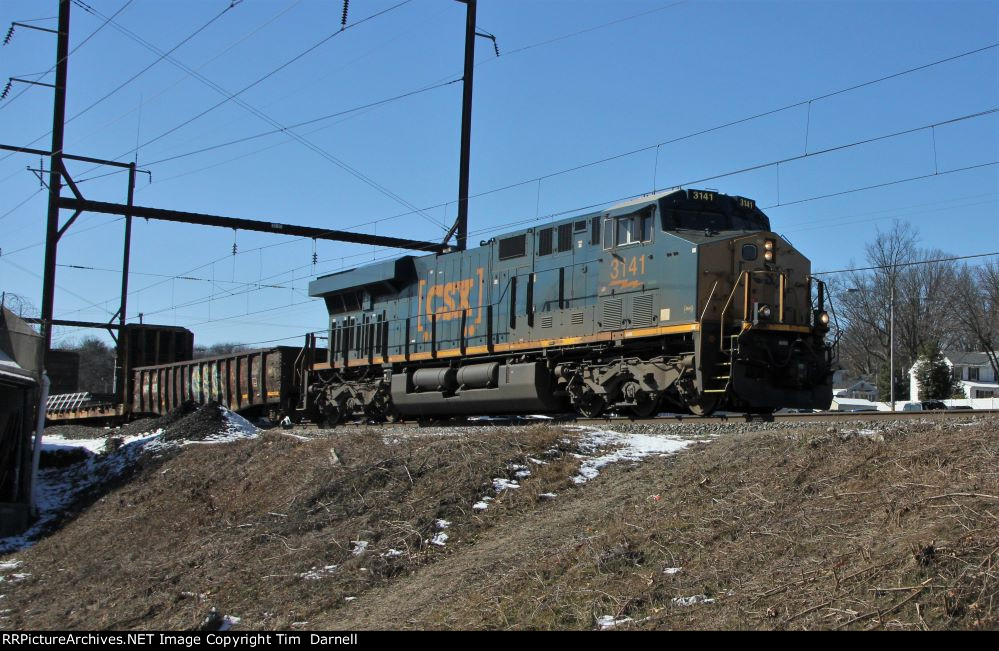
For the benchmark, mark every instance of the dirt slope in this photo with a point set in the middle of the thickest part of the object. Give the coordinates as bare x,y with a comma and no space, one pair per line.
781,528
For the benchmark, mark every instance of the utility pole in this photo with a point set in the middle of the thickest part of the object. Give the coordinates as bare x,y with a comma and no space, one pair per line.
466,124
891,340
55,174
121,372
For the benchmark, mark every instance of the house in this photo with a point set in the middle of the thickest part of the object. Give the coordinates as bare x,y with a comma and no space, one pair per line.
846,386
973,372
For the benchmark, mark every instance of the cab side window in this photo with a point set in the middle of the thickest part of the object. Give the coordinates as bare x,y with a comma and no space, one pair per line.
628,229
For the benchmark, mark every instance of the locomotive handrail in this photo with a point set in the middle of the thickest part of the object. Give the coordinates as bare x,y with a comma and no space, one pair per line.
782,281
708,302
721,316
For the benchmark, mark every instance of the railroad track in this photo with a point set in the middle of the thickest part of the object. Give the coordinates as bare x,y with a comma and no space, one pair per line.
814,417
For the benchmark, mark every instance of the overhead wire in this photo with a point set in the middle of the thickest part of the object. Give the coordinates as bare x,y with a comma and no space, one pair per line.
228,96
499,227
646,148
8,102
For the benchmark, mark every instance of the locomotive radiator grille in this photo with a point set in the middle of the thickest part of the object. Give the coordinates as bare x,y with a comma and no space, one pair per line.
612,312
641,310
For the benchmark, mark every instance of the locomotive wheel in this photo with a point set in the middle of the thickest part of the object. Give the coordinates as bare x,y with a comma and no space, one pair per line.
703,405
648,405
331,418
592,407
331,414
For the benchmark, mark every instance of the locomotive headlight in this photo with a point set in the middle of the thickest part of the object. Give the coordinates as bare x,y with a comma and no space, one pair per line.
824,318
764,311
768,250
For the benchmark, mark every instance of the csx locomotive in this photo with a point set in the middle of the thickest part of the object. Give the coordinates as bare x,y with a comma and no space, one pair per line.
681,301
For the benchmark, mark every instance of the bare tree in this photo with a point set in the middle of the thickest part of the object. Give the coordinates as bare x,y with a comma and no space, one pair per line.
923,305
976,309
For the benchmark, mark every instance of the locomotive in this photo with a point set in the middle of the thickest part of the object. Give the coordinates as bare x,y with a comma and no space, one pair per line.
683,301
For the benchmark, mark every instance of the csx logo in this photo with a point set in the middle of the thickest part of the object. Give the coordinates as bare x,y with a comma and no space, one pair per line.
447,301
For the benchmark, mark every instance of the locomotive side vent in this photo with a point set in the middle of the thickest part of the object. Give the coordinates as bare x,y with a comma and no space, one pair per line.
641,309
577,318
546,322
513,247
612,313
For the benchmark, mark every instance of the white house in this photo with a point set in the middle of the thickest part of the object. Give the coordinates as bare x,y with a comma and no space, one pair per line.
973,372
846,386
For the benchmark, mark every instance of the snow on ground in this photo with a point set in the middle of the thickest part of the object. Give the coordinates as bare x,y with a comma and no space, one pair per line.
605,622
58,489
692,600
626,447
501,484
317,572
228,622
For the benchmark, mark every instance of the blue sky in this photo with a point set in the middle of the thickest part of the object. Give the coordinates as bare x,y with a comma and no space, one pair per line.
560,95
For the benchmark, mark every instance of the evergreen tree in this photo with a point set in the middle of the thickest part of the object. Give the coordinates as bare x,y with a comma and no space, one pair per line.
935,380
901,384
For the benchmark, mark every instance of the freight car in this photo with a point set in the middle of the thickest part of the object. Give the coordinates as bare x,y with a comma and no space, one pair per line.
684,300
266,382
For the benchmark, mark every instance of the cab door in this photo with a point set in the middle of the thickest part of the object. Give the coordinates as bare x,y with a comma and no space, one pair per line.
626,282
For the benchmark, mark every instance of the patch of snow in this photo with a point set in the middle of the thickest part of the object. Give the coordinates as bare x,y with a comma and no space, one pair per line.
12,564
692,600
15,578
59,488
501,484
869,434
480,506
228,622
393,553
548,496
672,570
537,462
55,442
349,598
439,539
359,547
317,573
296,436
629,447
442,524
607,621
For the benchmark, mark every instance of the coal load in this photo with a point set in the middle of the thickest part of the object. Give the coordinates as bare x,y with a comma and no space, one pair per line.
208,422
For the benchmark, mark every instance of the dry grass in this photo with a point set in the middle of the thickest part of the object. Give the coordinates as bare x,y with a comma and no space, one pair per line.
806,531
802,530
235,527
